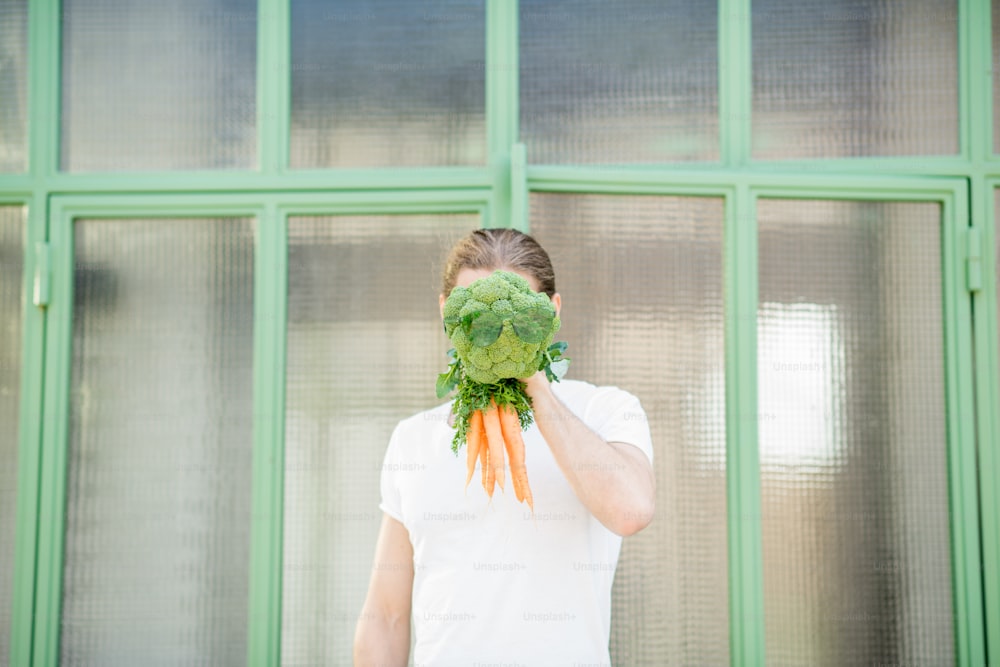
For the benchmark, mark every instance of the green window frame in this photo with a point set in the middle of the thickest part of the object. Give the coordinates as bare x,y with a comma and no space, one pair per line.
962,184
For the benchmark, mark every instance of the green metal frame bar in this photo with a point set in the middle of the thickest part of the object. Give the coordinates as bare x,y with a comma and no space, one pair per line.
743,509
493,193
53,451
970,640
44,53
665,181
987,356
227,204
29,435
43,146
270,304
273,86
735,79
976,114
967,96
359,180
975,80
502,103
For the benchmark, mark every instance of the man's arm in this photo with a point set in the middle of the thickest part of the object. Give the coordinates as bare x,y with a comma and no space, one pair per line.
382,637
614,480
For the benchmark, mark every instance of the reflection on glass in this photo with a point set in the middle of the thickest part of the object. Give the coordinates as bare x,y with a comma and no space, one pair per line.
641,281
850,78
149,85
388,84
800,350
156,560
854,487
625,81
13,88
364,348
11,265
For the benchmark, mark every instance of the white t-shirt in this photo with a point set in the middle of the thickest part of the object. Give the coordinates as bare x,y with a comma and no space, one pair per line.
493,583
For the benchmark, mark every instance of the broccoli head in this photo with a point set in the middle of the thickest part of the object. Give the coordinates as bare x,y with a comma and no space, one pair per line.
492,305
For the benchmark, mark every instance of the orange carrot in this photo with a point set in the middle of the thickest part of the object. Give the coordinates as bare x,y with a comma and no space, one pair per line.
494,438
489,478
474,438
511,427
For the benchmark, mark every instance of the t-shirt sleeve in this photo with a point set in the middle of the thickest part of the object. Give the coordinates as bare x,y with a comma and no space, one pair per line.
391,503
617,416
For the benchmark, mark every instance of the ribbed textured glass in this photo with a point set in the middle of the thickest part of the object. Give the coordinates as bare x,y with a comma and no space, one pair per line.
853,78
157,535
13,85
11,306
853,447
149,85
641,280
393,83
364,349
614,82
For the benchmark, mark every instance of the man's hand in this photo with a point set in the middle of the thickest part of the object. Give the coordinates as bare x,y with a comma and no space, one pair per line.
614,480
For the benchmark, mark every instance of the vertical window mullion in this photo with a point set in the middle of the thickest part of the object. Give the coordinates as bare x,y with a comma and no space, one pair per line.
502,104
270,298
44,46
735,77
273,85
986,201
975,127
746,596
28,423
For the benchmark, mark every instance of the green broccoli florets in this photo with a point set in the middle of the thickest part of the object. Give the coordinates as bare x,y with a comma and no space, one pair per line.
480,358
504,294
517,282
471,305
487,291
521,301
453,306
502,307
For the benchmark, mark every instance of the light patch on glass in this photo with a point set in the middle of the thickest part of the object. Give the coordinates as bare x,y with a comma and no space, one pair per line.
800,366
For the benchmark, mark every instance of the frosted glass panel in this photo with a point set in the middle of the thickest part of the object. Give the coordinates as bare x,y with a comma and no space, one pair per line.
159,465
150,85
850,78
394,83
365,347
626,81
854,487
11,305
13,85
642,273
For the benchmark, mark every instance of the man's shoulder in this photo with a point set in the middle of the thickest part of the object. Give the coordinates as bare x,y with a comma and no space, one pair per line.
578,394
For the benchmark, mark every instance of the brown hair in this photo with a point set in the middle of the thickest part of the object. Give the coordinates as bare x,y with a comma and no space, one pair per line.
500,249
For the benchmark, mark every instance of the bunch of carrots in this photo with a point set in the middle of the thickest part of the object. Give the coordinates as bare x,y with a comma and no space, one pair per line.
490,433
